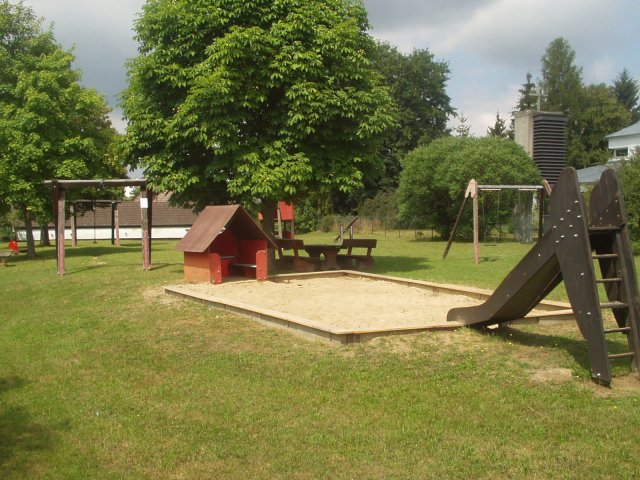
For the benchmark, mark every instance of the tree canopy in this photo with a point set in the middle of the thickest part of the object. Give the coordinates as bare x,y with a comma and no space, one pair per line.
528,98
499,128
561,77
252,100
435,177
418,85
627,90
593,111
50,126
600,114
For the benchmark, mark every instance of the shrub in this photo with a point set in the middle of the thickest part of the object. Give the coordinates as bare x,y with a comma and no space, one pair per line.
629,173
435,177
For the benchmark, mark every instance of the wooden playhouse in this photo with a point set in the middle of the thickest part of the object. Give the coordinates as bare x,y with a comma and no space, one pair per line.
224,240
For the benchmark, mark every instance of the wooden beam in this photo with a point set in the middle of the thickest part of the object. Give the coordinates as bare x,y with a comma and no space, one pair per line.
118,182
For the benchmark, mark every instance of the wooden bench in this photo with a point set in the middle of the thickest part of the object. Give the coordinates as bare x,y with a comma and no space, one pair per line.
251,259
296,262
359,261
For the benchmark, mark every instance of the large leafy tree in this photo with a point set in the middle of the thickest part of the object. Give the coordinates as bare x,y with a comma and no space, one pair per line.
50,126
251,100
561,77
434,178
600,114
593,111
418,84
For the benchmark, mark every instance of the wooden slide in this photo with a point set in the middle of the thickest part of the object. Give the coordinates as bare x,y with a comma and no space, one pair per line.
566,252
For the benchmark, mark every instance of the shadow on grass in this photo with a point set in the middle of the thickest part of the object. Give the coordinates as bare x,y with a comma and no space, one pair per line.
20,437
385,265
577,348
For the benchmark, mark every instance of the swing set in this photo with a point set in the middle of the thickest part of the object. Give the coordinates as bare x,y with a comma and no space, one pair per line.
473,191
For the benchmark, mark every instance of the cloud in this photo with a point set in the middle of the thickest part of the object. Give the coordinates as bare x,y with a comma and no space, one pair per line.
411,14
100,31
489,44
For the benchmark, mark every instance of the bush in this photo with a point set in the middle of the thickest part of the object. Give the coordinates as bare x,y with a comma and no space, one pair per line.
435,177
629,174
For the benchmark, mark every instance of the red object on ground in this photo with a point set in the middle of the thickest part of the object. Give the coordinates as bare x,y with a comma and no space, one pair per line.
13,245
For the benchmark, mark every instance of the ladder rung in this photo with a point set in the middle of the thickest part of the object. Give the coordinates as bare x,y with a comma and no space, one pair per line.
613,305
621,355
605,229
618,330
600,256
609,280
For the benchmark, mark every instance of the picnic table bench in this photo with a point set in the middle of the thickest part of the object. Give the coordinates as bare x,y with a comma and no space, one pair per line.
359,261
295,260
4,257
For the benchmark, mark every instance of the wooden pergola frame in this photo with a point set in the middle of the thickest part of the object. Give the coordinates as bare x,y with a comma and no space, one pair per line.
59,188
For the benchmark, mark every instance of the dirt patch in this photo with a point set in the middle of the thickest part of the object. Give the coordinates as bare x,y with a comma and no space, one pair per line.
552,375
158,296
621,386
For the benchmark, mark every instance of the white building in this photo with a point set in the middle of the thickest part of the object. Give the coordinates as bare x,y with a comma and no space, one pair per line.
624,142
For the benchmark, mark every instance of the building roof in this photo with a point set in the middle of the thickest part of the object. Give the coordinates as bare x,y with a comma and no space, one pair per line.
214,220
631,130
163,215
592,174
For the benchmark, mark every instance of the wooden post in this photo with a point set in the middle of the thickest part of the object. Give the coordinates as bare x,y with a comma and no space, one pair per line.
74,226
540,213
150,196
60,230
144,224
279,214
116,221
476,250
113,223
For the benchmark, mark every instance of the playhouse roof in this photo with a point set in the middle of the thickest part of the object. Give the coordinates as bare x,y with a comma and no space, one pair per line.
212,221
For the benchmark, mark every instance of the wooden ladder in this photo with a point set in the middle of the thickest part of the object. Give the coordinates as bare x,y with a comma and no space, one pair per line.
611,246
612,251
602,235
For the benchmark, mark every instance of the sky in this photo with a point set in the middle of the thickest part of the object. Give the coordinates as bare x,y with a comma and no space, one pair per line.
489,45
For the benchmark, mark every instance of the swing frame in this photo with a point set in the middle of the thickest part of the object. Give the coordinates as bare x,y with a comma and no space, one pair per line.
473,191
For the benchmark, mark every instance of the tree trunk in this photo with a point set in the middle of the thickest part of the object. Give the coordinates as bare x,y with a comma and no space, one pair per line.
28,226
268,225
44,235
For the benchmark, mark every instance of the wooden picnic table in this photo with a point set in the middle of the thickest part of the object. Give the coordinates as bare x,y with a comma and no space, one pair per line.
330,253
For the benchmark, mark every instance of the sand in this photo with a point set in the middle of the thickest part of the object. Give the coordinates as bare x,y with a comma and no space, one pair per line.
344,302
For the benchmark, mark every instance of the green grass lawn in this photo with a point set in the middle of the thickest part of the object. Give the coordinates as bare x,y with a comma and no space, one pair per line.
103,376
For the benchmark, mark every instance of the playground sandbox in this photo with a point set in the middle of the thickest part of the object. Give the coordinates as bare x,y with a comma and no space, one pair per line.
347,306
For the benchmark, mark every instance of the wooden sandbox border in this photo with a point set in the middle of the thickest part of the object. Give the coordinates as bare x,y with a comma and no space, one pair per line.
546,311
